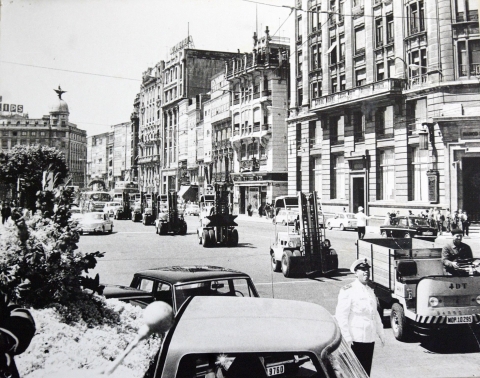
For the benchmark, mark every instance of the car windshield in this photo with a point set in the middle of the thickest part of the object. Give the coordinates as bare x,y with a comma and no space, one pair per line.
94,216
344,364
265,364
233,287
418,222
100,197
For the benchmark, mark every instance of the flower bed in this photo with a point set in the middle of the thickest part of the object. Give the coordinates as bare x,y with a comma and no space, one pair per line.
61,347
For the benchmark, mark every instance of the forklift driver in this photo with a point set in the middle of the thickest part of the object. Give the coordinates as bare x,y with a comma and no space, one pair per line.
454,251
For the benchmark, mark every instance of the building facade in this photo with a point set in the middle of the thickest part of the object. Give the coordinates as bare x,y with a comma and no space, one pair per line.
53,130
259,84
382,113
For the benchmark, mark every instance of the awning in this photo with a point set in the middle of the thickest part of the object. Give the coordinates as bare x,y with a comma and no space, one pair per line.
188,192
331,48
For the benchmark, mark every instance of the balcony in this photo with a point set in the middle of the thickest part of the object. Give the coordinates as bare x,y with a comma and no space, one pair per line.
369,91
418,81
474,69
236,101
266,93
256,95
249,165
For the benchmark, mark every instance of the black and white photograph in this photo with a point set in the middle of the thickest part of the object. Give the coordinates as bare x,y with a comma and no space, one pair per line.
316,163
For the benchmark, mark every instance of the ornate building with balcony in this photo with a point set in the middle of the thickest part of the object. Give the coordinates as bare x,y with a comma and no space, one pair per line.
259,87
149,129
382,113
53,130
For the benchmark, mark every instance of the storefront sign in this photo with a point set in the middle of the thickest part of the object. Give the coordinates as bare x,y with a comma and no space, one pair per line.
432,186
181,45
470,134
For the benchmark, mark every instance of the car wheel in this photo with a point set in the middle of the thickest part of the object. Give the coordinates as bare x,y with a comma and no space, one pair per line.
206,239
183,229
234,238
342,227
287,264
407,235
111,230
211,235
333,259
384,234
276,265
329,226
199,238
103,229
398,322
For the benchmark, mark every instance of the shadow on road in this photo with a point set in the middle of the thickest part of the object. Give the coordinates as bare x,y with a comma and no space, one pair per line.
457,340
339,273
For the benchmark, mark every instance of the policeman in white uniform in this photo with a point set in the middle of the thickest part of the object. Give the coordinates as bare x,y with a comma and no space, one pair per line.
357,315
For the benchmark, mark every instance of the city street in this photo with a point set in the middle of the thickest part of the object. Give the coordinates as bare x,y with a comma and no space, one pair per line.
133,247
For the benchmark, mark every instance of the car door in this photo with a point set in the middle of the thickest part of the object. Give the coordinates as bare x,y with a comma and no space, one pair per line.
107,221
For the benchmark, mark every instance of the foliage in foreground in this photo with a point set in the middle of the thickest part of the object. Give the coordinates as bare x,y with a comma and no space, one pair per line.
41,266
61,347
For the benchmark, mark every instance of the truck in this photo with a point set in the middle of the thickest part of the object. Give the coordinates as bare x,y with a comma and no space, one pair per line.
124,212
169,219
303,248
412,283
217,224
149,212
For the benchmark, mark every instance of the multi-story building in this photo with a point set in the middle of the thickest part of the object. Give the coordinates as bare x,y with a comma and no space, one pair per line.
109,155
259,82
149,127
186,74
53,130
134,139
383,109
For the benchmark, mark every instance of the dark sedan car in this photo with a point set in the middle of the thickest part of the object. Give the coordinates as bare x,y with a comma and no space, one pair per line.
174,284
408,227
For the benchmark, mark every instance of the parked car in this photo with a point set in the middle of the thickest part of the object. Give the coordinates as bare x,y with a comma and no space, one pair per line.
111,207
246,337
408,227
286,217
95,222
342,221
192,209
174,284
76,213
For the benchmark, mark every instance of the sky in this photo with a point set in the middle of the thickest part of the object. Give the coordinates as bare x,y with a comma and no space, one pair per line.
43,41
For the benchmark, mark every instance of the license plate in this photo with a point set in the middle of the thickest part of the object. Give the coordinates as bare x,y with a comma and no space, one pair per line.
428,233
275,370
461,319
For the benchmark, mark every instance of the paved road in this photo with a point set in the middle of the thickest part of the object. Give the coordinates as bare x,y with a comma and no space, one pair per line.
133,247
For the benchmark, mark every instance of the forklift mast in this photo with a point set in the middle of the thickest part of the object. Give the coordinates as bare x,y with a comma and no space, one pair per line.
221,199
172,207
310,232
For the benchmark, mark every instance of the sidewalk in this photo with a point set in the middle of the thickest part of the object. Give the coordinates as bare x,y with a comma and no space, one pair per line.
254,218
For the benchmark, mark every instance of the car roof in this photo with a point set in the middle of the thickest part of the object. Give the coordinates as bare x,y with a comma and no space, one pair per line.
242,325
192,273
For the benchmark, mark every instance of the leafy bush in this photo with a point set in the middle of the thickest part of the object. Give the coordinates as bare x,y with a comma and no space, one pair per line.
40,265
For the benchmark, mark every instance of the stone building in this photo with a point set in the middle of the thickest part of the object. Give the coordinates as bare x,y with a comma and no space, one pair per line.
259,82
382,112
97,157
53,130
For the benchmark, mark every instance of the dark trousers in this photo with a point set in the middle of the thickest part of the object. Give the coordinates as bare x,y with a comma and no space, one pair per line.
364,353
361,232
4,219
465,226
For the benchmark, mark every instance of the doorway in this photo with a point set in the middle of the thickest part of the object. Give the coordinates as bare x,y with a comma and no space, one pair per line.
358,193
471,187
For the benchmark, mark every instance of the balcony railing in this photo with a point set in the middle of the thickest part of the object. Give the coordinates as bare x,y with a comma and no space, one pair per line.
236,101
249,165
386,86
474,69
256,95
418,81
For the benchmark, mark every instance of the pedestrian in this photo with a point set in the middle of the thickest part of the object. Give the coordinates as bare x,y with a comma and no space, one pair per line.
456,220
344,210
361,222
260,210
6,212
410,213
249,210
357,315
453,251
465,223
439,218
388,220
448,220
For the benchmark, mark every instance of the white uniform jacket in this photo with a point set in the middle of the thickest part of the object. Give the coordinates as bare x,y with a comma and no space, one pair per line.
357,314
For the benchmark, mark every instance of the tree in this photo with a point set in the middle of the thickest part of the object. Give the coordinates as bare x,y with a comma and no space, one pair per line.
29,163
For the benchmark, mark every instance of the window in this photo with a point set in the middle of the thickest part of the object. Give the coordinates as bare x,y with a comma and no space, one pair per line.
300,64
336,129
33,133
417,60
378,32
469,58
360,40
316,53
4,144
391,68
342,47
390,30
300,96
42,133
318,175
343,83
360,77
380,72
334,85
24,133
419,176
314,90
14,133
358,126
332,51
338,177
467,10
299,28
415,17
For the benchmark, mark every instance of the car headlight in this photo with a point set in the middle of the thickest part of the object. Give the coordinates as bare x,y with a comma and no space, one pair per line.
478,299
433,301
291,244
